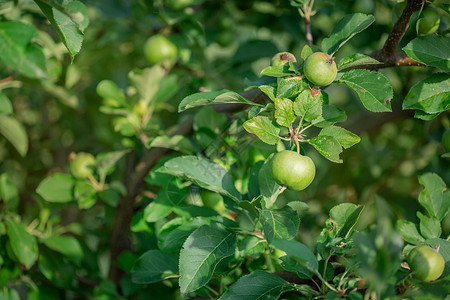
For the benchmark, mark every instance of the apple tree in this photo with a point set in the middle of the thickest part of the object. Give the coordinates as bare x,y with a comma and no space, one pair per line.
200,149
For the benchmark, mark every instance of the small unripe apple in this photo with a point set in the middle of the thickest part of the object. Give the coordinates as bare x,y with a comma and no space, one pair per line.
320,69
82,165
282,58
429,21
213,200
159,49
426,263
292,170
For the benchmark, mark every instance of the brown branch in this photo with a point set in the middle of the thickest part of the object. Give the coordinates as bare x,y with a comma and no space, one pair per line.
398,31
309,36
395,60
6,79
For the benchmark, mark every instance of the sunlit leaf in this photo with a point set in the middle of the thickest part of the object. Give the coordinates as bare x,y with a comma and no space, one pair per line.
22,242
201,253
345,29
264,128
431,50
431,95
373,89
15,133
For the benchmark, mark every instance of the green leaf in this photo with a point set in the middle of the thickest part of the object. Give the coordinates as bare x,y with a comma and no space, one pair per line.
8,193
158,208
328,146
22,242
331,114
301,254
284,113
336,236
268,188
69,20
280,223
107,89
354,60
176,142
269,90
168,87
208,98
57,188
341,213
201,253
9,294
56,269
66,245
431,50
5,105
291,87
378,254
343,136
202,172
306,51
418,114
15,133
208,126
208,118
277,71
308,107
85,194
409,232
19,52
345,29
173,234
373,89
253,180
255,286
430,227
252,246
432,95
350,221
264,128
107,161
434,196
154,266
147,81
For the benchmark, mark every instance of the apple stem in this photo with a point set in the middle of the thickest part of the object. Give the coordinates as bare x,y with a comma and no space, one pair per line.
297,144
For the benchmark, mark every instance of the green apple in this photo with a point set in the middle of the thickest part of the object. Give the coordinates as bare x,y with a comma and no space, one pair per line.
293,170
159,49
426,263
428,20
320,69
213,200
282,58
82,166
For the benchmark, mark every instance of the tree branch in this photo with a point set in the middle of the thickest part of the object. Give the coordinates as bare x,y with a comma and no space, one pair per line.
398,31
395,60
